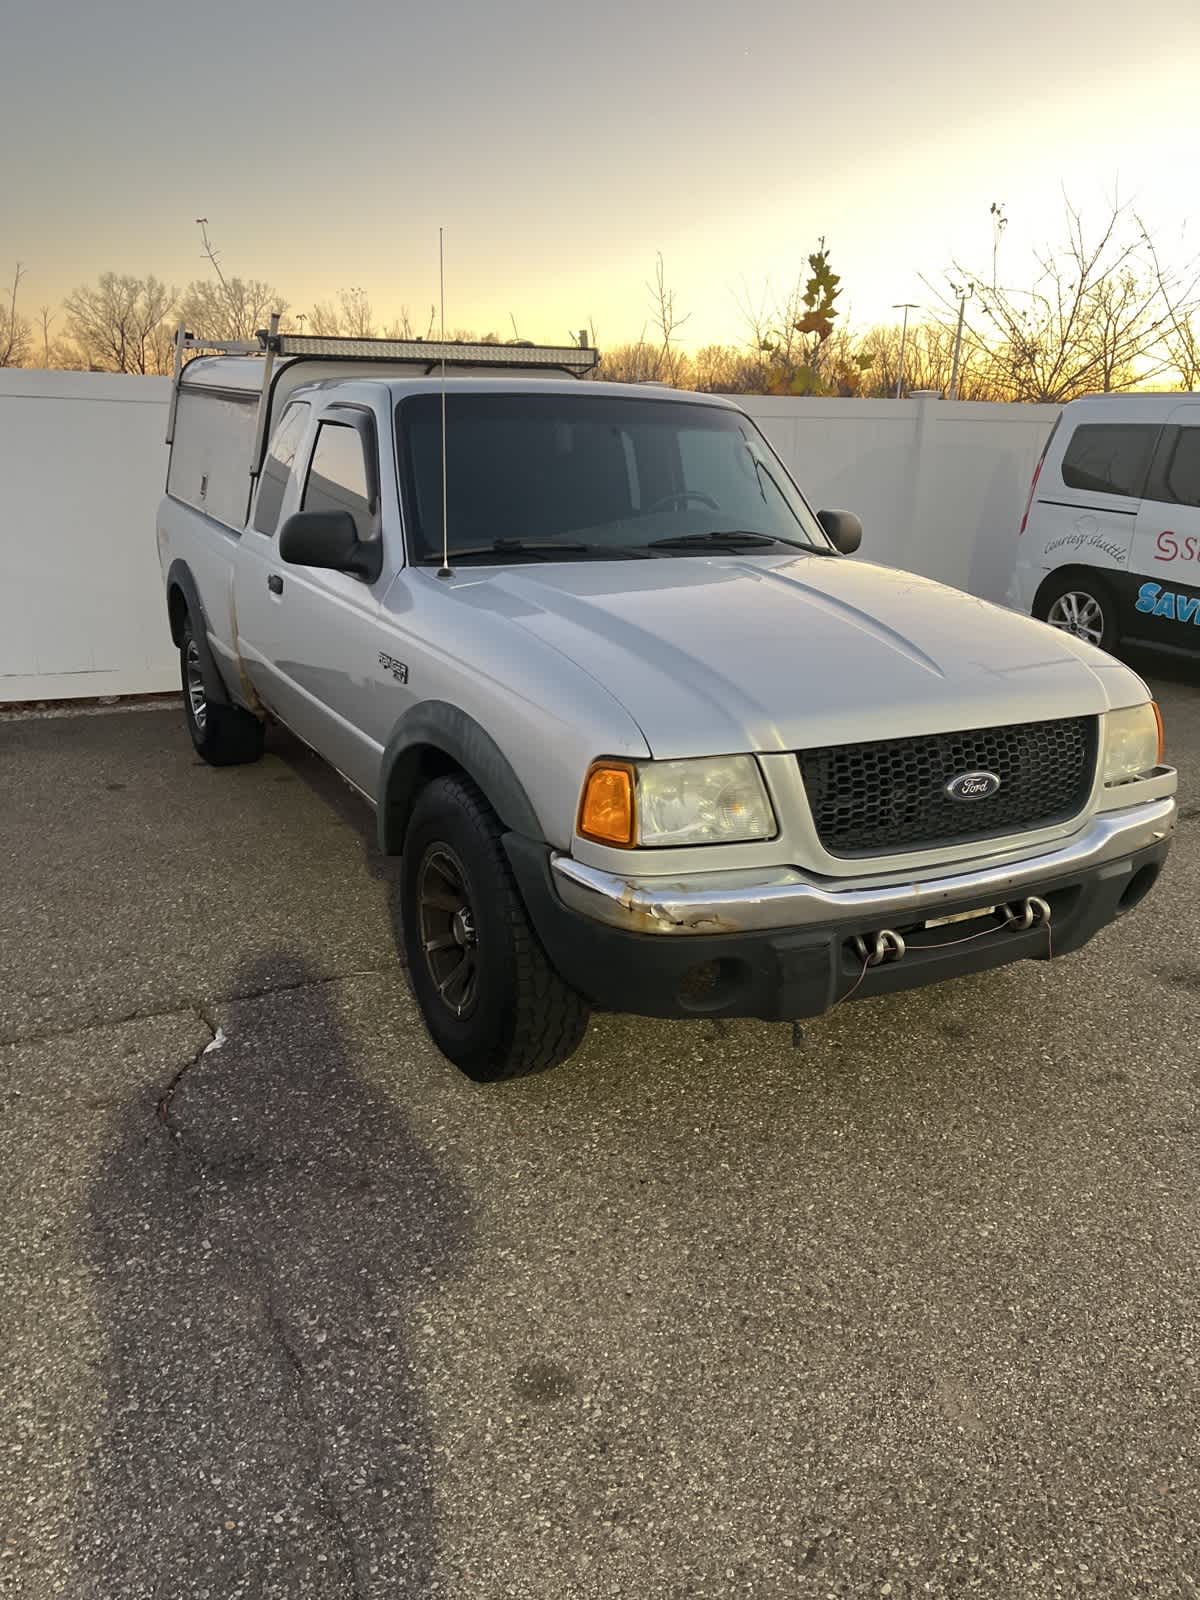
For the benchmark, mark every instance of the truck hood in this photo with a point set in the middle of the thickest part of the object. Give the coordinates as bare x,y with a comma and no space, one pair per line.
717,654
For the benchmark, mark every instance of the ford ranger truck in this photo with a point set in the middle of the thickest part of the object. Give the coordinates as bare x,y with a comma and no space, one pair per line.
644,735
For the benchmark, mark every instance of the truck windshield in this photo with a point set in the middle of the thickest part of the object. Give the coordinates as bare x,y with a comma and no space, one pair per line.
576,478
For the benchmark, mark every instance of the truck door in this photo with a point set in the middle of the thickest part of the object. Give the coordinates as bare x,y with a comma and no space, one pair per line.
1165,605
306,633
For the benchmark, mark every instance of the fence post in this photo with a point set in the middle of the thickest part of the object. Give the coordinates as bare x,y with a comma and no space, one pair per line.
918,554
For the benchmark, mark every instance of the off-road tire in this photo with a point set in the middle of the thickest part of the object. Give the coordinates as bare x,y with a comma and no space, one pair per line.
226,736
522,1017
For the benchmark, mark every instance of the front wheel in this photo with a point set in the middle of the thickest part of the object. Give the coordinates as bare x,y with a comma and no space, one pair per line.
489,995
226,736
1082,606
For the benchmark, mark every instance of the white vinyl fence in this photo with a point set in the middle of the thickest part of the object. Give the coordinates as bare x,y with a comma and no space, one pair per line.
82,463
939,486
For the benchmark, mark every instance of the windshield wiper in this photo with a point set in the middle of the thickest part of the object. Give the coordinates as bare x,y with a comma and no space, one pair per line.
736,538
540,550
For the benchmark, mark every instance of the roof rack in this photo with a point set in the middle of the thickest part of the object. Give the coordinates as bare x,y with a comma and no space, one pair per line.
433,354
573,358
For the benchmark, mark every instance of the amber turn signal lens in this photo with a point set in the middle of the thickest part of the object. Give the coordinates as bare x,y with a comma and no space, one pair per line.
1162,737
606,813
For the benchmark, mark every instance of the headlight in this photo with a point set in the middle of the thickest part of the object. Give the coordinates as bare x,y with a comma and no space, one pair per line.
1133,743
717,800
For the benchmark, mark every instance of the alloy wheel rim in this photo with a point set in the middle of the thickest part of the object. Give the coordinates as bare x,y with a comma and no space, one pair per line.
197,699
1078,613
449,936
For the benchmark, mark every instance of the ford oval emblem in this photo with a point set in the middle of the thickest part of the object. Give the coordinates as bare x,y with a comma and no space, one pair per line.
973,786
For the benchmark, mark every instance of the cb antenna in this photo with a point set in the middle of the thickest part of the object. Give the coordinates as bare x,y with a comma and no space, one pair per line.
445,571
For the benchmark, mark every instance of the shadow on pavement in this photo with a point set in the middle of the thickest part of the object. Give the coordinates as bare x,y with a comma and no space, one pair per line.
264,1238
326,784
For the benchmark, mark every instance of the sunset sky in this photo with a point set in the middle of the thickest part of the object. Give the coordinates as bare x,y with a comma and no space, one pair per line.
562,144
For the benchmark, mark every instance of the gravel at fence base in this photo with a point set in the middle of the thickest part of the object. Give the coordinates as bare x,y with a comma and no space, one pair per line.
906,1310
101,705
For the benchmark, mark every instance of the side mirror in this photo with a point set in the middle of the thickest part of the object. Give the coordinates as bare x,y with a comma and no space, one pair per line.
844,528
329,539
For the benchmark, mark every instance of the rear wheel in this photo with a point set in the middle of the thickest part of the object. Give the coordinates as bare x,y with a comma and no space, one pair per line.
1081,605
226,736
490,997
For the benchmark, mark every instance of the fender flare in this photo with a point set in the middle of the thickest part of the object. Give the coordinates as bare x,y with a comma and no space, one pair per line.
438,726
179,576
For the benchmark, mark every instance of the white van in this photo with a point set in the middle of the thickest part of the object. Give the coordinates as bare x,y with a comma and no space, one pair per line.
1109,545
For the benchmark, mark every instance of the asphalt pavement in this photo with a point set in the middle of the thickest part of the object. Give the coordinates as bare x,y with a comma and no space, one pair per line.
901,1304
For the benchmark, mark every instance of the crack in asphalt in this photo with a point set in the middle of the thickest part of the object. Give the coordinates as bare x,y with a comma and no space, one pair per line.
332,1511
91,1024
163,1109
186,1007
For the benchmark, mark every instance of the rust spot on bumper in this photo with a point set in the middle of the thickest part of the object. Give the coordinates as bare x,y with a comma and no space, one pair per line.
651,915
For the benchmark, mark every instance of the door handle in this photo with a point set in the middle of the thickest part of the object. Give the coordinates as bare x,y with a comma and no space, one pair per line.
275,583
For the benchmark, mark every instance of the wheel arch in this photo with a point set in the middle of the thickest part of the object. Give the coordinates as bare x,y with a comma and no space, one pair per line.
183,601
432,740
1074,572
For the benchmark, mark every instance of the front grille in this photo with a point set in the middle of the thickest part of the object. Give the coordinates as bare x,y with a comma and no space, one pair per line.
890,795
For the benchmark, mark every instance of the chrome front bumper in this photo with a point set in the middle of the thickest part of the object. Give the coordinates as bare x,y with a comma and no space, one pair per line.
784,897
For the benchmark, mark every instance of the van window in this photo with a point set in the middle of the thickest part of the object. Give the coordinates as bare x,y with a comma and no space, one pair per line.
1110,457
1183,474
337,478
277,468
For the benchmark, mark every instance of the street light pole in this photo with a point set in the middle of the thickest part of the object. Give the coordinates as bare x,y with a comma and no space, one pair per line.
906,306
963,296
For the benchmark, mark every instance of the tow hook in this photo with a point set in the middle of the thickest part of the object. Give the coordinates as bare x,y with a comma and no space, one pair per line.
887,945
1026,913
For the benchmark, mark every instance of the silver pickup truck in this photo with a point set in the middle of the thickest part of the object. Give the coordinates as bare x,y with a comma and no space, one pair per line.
644,737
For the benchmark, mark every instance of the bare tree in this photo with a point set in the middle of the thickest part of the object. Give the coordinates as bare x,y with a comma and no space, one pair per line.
45,317
1180,334
724,369
235,308
1093,319
120,323
401,327
14,329
999,223
928,361
643,361
230,308
352,317
627,363
668,322
324,320
770,321
358,319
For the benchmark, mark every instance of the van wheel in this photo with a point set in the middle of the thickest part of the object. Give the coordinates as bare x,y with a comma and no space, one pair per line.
489,995
1082,606
226,736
